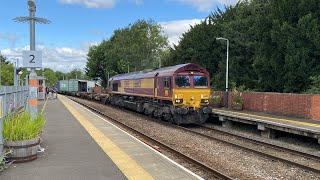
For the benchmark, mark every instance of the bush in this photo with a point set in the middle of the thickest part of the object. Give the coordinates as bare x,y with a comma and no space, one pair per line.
237,99
18,127
315,85
3,160
215,100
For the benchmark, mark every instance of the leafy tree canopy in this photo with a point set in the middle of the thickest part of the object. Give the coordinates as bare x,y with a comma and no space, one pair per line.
274,45
139,46
6,71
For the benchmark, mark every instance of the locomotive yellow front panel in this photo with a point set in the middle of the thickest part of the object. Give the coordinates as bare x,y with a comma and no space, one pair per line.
194,98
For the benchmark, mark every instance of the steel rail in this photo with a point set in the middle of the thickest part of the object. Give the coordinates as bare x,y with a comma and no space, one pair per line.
263,154
214,172
266,144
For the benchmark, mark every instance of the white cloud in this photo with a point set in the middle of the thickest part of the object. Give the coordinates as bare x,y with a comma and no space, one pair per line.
60,58
206,5
91,3
98,4
174,29
10,38
137,2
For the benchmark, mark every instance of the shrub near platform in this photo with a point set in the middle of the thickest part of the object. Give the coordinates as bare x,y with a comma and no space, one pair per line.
21,134
215,101
237,101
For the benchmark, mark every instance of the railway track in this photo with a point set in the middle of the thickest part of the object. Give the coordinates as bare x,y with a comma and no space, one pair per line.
255,143
266,144
214,173
311,162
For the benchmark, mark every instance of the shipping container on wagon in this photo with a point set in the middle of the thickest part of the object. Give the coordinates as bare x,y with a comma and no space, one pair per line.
68,85
63,86
90,86
57,86
73,85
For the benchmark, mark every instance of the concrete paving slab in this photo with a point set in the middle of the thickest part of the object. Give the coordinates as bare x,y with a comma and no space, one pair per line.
71,153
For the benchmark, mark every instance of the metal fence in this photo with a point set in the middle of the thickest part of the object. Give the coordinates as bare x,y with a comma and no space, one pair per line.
11,99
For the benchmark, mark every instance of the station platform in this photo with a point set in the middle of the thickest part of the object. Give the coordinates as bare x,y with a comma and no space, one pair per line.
82,145
267,122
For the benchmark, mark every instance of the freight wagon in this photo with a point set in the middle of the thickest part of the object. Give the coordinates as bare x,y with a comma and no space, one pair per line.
74,86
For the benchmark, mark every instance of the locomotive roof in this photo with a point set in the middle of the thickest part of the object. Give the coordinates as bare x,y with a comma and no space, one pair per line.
166,71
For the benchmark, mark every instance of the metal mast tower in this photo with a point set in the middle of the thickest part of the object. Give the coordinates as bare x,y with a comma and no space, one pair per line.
33,82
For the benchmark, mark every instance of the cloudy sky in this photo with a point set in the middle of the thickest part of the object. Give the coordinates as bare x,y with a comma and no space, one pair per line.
78,24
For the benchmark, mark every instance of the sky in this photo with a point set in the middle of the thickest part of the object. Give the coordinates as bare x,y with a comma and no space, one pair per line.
78,24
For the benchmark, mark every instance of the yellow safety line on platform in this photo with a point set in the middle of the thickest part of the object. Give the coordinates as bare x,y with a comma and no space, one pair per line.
44,106
130,168
270,118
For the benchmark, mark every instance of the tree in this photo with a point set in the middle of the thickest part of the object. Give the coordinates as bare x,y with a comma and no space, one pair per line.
60,75
76,74
51,78
274,45
315,85
136,47
6,72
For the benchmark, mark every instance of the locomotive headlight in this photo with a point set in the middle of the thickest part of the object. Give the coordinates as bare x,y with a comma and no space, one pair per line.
205,101
178,101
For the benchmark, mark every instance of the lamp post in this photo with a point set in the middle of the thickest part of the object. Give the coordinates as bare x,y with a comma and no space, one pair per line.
227,67
15,75
19,75
33,82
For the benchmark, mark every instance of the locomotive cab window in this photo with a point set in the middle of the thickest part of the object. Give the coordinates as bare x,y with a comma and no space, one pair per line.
167,82
115,87
200,81
182,81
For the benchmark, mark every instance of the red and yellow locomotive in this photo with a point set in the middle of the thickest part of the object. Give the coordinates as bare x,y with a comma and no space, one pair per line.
179,94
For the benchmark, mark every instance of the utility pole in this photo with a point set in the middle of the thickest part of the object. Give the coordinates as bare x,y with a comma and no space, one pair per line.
15,74
33,81
227,67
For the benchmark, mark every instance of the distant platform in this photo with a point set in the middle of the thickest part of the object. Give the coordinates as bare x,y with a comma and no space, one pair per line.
266,122
82,145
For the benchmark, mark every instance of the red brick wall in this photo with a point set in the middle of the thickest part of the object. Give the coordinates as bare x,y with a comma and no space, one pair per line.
296,105
315,108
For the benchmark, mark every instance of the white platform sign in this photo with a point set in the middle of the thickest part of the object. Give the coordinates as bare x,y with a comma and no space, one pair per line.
32,59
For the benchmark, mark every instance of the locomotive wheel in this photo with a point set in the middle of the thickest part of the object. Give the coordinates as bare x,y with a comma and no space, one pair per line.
167,117
177,119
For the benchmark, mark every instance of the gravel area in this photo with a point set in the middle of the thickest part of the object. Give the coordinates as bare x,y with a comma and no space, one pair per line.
297,142
233,161
270,150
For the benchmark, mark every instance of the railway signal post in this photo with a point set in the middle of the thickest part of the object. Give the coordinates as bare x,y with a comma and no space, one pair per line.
32,59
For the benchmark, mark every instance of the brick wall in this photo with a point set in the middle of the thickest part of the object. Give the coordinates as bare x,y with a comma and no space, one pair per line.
295,105
315,108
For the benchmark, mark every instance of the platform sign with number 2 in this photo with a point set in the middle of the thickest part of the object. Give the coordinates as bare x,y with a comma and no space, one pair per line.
32,59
